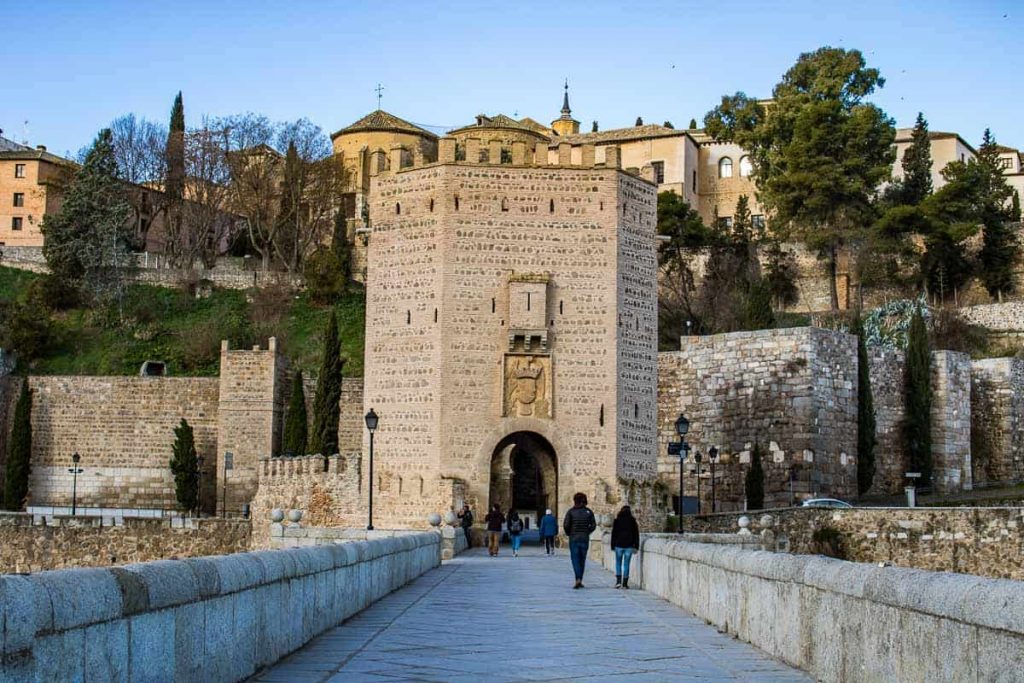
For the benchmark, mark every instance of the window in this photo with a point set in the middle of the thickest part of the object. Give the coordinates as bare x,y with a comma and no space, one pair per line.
693,181
551,206
19,170
1006,162
398,208
19,199
16,223
746,168
725,168
757,221
659,171
725,222
460,152
506,155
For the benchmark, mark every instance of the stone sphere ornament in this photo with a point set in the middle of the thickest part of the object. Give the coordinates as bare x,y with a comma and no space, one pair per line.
744,524
294,516
434,519
767,521
277,515
450,518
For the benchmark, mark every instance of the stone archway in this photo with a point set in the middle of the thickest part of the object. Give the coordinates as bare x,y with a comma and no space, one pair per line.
524,475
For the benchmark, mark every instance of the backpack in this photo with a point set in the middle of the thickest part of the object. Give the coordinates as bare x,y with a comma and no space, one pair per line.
516,527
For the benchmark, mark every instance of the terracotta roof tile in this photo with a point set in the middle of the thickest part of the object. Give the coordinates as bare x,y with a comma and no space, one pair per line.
381,120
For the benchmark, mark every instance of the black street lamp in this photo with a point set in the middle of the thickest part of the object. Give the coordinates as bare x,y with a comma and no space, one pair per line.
75,471
371,424
682,427
713,459
696,459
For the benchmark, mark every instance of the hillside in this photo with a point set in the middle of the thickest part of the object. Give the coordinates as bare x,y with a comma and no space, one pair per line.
157,323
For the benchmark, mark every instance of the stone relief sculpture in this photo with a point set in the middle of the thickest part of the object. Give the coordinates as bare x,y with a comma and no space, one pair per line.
527,386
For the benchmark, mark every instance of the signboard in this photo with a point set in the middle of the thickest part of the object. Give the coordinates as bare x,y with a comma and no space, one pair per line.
675,447
229,461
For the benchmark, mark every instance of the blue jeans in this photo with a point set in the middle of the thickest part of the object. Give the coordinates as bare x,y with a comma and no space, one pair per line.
578,548
516,540
622,559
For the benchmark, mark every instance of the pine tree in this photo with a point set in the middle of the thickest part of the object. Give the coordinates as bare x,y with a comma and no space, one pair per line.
917,427
999,248
741,221
324,439
19,452
175,152
184,465
296,425
85,243
865,414
693,124
917,164
753,484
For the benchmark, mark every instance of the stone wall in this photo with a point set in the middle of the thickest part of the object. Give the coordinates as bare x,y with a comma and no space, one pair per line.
1002,317
845,621
123,428
351,423
34,545
981,541
201,619
997,420
793,391
328,497
951,420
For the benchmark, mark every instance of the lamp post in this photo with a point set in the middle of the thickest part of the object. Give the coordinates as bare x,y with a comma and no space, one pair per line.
713,459
75,470
371,424
682,427
696,459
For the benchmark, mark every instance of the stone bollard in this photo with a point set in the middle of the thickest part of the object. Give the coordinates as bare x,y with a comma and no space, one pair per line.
294,517
744,524
768,534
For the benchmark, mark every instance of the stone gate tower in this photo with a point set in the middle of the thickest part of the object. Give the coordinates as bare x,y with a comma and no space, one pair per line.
511,326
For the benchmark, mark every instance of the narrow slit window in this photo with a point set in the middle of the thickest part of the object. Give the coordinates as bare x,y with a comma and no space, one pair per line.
431,206
435,315
551,206
408,317
398,209
528,299
561,307
600,416
504,204
636,410
456,202
492,304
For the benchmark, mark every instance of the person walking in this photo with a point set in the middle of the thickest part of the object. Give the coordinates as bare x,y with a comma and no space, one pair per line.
515,531
494,520
578,524
548,530
625,541
466,520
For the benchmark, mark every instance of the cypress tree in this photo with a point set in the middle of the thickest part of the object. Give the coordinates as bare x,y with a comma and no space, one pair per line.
290,213
295,425
639,121
917,164
175,152
328,393
999,243
753,484
593,127
341,247
1015,207
917,426
668,124
693,124
19,452
865,414
184,465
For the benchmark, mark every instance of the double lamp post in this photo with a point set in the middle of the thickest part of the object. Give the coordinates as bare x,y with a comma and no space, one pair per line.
682,449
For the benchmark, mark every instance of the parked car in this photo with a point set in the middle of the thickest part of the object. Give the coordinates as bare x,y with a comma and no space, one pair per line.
826,503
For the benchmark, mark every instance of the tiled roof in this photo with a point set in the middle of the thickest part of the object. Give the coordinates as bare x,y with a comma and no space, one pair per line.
11,146
500,121
621,135
29,154
535,126
381,120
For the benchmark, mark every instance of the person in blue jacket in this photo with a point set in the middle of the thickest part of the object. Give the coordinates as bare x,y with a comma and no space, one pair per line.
548,531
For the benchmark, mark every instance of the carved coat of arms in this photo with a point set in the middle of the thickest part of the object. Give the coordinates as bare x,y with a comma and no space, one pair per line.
527,386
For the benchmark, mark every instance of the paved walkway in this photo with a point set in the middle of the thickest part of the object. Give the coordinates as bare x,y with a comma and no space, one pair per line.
505,619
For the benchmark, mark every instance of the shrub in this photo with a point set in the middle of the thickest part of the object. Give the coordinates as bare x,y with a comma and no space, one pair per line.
25,330
325,276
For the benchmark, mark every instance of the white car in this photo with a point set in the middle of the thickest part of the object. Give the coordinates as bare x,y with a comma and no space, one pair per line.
825,503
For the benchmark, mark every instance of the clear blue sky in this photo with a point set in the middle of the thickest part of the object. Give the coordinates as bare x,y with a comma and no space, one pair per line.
73,66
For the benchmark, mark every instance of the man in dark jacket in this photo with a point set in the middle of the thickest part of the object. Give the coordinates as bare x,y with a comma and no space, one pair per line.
494,520
578,524
466,520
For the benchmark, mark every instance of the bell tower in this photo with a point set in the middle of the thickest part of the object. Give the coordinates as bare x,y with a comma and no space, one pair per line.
566,124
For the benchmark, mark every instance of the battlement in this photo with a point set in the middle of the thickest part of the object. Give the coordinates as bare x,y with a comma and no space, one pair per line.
473,151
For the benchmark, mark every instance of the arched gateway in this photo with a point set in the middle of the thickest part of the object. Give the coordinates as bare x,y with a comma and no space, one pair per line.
524,475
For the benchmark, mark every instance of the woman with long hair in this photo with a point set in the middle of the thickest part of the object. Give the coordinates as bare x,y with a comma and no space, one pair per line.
625,541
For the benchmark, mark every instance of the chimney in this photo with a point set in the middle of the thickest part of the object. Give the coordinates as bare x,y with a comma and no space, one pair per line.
41,148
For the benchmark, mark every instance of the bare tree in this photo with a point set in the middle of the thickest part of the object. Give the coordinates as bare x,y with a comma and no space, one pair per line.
255,168
207,222
139,146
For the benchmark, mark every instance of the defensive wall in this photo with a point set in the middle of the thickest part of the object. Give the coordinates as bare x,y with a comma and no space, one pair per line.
793,391
200,619
31,543
981,541
845,621
997,420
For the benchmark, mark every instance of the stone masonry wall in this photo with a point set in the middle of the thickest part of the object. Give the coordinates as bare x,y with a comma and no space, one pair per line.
793,391
123,428
997,420
351,423
951,420
33,546
1004,317
981,541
